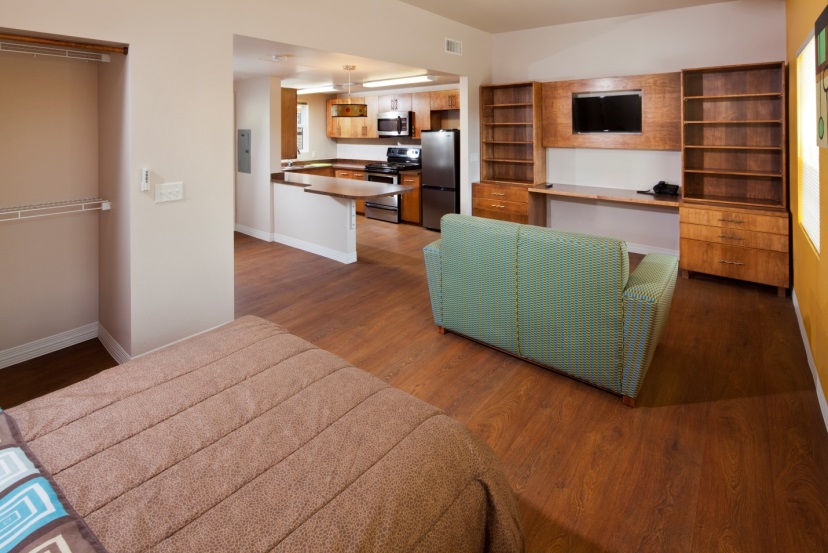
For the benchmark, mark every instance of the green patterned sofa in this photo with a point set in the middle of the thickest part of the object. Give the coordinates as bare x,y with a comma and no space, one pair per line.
562,300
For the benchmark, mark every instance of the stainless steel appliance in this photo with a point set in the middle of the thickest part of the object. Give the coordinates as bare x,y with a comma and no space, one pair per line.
398,159
394,123
441,175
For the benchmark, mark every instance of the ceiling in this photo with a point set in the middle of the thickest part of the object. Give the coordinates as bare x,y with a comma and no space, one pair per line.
499,16
300,67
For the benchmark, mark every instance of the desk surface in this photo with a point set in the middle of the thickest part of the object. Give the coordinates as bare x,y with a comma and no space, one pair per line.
607,194
340,188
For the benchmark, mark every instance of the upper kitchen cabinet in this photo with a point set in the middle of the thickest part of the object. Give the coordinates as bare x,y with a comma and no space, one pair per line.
421,106
395,102
290,149
445,99
353,127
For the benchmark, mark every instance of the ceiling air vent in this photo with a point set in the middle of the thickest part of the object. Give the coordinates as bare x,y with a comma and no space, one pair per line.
454,47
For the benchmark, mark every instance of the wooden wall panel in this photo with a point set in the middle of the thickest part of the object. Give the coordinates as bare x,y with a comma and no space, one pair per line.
660,113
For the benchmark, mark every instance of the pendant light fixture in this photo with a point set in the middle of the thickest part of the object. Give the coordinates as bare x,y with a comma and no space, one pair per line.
349,109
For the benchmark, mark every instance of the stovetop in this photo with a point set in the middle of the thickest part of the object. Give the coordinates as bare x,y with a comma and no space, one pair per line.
398,159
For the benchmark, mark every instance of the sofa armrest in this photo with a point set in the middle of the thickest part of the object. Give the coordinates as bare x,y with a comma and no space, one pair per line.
646,301
434,274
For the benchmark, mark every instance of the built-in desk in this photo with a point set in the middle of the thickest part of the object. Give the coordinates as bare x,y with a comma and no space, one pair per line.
540,195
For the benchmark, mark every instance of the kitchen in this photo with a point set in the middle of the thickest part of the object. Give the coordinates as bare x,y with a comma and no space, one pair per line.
368,146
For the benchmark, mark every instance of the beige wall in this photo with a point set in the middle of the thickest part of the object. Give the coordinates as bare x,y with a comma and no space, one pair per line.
48,153
324,147
180,112
114,225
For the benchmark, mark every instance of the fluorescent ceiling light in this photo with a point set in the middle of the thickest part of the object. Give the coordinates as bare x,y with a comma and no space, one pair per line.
403,80
317,89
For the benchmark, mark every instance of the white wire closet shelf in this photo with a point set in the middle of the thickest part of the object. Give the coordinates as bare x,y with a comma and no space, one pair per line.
53,208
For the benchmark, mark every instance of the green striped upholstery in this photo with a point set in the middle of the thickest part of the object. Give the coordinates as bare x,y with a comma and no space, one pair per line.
478,282
560,299
646,303
570,312
434,275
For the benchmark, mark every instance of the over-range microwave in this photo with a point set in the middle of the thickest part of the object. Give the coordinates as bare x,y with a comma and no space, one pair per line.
394,123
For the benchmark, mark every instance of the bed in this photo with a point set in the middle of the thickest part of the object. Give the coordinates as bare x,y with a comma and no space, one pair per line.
248,438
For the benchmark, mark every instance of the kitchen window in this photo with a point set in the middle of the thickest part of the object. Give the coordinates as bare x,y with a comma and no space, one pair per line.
302,127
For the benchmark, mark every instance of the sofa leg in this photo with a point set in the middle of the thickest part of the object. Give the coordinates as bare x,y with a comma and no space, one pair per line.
441,330
629,401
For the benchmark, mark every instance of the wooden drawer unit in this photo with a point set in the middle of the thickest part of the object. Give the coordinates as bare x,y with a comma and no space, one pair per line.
411,204
504,202
736,237
343,174
751,264
744,244
738,219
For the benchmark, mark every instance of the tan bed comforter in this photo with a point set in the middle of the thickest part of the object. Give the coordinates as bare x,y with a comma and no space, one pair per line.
248,438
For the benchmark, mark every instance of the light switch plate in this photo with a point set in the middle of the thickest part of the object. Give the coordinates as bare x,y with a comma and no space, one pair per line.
169,192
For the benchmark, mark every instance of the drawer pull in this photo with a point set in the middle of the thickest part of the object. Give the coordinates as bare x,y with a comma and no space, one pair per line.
500,206
408,180
498,194
731,221
730,262
728,237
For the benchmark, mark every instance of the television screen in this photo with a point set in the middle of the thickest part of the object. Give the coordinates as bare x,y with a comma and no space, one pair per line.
611,112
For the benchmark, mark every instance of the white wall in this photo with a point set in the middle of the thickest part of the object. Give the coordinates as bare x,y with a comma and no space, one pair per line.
319,145
254,112
744,31
180,89
48,153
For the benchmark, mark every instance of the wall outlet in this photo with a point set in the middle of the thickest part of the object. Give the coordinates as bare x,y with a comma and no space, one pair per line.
313,154
169,192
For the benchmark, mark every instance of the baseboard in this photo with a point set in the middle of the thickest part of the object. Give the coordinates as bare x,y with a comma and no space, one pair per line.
24,352
255,233
118,353
645,249
823,405
336,255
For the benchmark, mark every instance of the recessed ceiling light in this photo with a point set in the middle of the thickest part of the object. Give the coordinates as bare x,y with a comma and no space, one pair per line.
318,89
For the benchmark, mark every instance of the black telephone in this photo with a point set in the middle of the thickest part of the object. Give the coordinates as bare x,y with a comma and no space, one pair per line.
665,189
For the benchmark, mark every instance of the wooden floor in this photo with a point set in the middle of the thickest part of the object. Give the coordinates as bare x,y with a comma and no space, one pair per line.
726,450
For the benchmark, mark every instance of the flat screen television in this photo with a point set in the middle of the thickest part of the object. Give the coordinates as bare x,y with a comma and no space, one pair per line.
607,112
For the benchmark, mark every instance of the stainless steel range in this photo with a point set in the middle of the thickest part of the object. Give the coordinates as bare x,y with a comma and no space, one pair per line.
398,159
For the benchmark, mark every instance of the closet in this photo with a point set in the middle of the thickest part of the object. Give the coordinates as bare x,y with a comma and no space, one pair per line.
51,200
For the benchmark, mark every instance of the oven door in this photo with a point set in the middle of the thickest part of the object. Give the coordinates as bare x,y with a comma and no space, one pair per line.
386,208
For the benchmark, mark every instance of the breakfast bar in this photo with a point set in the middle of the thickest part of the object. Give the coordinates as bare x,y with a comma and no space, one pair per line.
318,214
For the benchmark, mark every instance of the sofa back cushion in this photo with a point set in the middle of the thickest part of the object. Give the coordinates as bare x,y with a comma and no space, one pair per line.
570,310
478,258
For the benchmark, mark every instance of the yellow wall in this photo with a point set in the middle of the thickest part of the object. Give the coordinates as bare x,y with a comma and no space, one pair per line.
810,269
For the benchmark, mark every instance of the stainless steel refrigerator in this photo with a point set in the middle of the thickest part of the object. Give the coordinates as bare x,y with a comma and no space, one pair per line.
440,158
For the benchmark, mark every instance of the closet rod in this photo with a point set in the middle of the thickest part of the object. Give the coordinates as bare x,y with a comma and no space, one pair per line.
65,43
53,208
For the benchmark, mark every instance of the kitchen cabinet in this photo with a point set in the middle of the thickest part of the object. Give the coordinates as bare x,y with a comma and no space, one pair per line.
355,175
395,102
734,216
411,210
421,106
289,130
353,127
445,99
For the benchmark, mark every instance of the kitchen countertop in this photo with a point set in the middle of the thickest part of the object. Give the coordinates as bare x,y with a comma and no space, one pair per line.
339,188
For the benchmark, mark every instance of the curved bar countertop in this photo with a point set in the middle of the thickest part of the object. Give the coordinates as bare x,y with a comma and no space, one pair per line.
349,189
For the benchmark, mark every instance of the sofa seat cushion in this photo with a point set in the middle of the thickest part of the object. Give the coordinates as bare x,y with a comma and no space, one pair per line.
570,302
478,258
